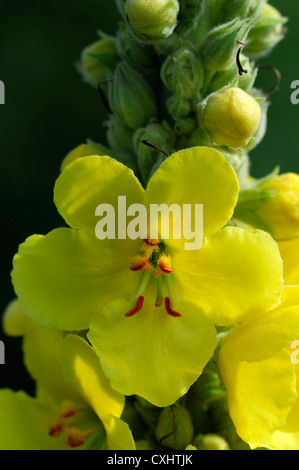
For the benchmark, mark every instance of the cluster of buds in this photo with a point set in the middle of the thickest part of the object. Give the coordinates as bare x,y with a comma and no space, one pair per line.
182,74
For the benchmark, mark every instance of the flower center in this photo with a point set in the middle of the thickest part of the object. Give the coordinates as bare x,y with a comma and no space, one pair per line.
156,263
78,426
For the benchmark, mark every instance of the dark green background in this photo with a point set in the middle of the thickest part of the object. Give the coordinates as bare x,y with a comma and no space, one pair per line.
49,111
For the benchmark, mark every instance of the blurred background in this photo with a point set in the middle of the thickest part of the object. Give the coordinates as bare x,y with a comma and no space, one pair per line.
49,111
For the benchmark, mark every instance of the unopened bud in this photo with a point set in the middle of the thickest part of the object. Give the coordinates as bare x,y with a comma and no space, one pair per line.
137,55
231,117
279,213
227,77
266,34
177,105
183,69
84,150
190,12
97,60
220,47
119,135
152,19
210,442
240,8
149,158
131,98
174,430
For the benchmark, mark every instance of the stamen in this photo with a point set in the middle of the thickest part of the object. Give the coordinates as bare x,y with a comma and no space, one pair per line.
74,444
151,242
137,308
169,310
55,430
165,269
159,299
139,267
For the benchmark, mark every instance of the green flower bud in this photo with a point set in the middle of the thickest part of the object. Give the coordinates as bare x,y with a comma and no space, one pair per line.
131,98
149,158
137,55
183,68
119,136
152,19
227,77
231,117
97,60
208,386
210,442
241,8
184,126
208,18
175,429
266,34
148,412
220,47
177,105
190,12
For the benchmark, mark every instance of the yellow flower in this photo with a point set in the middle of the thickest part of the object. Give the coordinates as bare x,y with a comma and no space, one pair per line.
281,212
75,406
231,116
260,376
289,250
149,304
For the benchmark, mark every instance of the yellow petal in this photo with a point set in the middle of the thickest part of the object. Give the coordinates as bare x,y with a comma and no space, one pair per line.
83,371
152,354
289,250
90,181
267,335
119,436
236,274
260,394
287,437
63,278
198,175
25,423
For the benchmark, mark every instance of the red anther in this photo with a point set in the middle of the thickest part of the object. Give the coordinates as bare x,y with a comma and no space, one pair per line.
137,307
164,269
151,242
55,431
139,267
72,443
70,414
169,310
